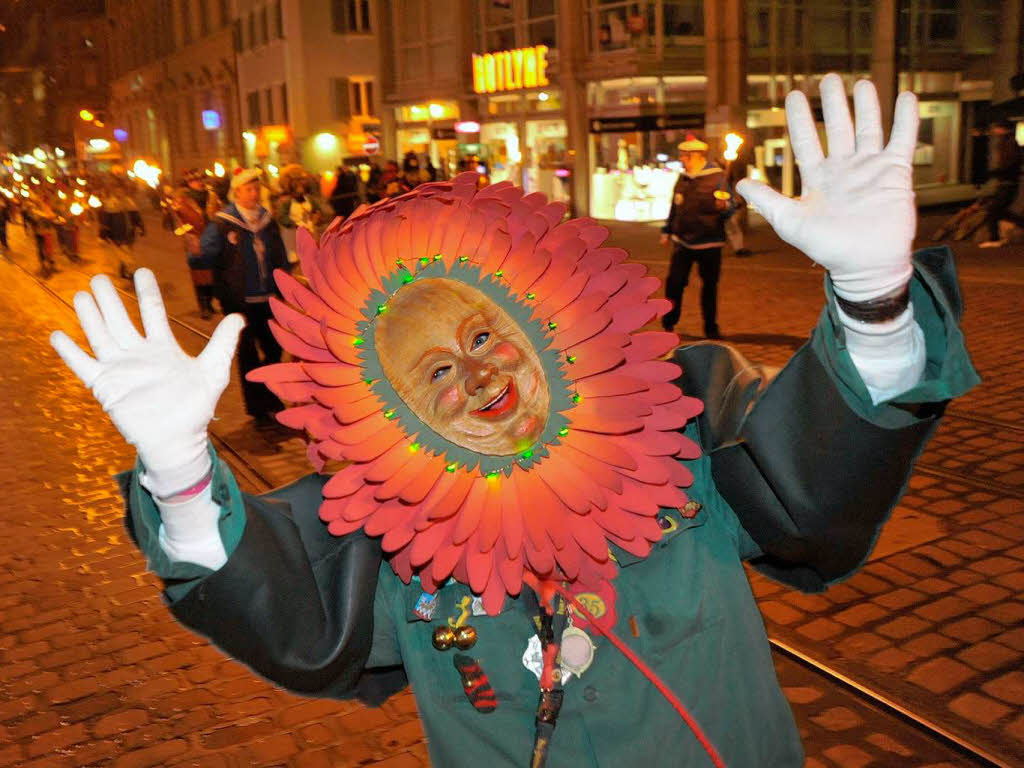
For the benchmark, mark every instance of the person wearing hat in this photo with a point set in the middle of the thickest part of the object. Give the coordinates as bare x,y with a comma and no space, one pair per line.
189,206
243,243
696,228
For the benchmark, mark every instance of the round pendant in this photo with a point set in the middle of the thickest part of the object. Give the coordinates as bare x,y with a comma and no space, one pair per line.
577,651
465,637
444,637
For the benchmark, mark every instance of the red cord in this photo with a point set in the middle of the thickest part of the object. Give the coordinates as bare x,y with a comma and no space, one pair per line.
649,674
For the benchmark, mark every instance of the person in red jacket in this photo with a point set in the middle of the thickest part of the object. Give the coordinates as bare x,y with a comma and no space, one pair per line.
696,227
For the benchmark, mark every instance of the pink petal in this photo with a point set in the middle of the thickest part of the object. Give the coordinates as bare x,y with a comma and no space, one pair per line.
297,347
511,516
650,345
603,449
471,511
570,334
610,385
278,372
333,374
389,463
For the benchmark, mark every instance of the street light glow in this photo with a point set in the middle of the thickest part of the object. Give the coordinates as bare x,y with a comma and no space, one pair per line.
94,202
76,209
86,115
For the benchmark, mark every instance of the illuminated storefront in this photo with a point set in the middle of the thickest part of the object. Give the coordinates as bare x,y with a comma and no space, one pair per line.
523,136
428,131
635,125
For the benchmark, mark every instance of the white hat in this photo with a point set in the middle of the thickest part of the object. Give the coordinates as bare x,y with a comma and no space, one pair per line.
244,176
692,144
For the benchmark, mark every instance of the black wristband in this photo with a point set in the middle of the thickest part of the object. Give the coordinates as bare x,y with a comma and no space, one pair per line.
887,307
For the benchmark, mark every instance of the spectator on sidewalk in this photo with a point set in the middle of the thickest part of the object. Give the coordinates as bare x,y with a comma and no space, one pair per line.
696,227
5,216
345,196
1005,177
243,242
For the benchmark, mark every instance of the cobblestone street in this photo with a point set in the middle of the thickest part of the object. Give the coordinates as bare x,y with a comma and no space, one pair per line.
95,671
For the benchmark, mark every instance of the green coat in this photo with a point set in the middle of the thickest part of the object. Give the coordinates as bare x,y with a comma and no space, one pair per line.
797,476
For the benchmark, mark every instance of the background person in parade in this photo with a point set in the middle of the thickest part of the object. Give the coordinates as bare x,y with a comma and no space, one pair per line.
189,206
696,228
243,242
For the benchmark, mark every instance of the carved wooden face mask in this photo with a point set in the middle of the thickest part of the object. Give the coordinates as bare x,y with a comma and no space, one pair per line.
464,367
477,365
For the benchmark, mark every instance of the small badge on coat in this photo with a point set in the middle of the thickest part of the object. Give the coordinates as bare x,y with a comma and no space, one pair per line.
426,606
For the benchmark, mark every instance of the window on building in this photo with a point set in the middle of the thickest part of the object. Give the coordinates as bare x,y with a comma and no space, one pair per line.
424,42
252,30
225,12
278,20
682,19
981,26
191,118
362,97
352,17
540,23
268,97
342,106
284,103
252,100
186,21
204,18
264,26
236,34
621,25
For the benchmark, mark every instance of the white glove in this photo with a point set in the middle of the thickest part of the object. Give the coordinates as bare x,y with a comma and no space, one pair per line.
856,216
158,397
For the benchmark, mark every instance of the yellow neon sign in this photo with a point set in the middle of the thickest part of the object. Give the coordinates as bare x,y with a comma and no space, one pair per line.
510,70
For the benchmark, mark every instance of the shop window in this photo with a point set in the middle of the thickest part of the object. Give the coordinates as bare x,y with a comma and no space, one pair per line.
500,39
542,33
498,12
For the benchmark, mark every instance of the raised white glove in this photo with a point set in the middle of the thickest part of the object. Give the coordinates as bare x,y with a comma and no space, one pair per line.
890,356
856,216
159,398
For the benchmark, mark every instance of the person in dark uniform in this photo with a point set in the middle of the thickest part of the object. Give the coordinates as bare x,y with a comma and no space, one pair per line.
244,244
696,228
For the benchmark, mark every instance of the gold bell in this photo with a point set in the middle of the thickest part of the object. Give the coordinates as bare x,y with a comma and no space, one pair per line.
444,637
465,637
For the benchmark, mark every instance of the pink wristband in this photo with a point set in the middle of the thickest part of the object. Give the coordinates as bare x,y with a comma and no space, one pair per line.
189,492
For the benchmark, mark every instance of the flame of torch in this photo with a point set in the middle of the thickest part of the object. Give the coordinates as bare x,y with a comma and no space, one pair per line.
733,141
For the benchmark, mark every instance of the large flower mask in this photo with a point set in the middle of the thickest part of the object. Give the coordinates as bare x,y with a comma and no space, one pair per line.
478,364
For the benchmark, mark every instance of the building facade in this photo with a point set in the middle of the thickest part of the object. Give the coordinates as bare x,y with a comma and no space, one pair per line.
618,83
174,97
308,80
53,64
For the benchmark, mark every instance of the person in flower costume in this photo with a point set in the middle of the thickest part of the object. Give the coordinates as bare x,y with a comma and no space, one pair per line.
517,487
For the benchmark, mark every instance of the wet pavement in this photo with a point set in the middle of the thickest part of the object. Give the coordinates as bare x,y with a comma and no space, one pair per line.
95,671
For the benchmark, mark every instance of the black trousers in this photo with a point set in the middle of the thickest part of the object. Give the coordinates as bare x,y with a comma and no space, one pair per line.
256,338
709,266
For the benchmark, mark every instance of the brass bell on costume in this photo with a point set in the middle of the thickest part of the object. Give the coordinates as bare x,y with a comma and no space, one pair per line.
465,637
444,637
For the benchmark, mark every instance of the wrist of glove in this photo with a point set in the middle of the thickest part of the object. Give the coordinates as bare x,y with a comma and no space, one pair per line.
190,531
889,356
871,282
174,465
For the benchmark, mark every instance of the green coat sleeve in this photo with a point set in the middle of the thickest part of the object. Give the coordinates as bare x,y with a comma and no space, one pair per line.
809,465
293,602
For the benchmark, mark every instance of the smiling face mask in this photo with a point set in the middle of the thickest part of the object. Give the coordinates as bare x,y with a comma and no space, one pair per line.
464,367
478,367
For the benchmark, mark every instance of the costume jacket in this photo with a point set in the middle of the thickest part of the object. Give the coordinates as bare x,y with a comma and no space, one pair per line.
798,473
244,256
695,218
